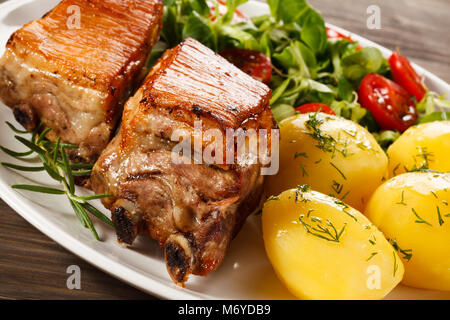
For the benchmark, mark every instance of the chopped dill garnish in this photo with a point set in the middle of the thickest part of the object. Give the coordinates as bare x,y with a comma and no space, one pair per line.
300,154
271,198
338,170
420,220
304,188
407,253
345,208
395,263
395,169
337,187
426,158
325,142
329,232
345,195
301,189
309,212
372,255
362,146
304,172
402,201
434,194
441,221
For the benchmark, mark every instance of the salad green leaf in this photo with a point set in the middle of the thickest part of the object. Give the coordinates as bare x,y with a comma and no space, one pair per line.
307,66
435,116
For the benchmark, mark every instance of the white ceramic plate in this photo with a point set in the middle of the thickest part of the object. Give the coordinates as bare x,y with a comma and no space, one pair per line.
245,274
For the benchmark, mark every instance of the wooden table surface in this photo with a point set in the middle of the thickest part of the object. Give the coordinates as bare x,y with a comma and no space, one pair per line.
34,267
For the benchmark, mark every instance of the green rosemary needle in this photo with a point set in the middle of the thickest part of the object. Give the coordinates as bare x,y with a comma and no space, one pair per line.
54,160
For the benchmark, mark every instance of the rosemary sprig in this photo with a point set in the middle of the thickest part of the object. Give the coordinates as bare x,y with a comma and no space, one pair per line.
55,162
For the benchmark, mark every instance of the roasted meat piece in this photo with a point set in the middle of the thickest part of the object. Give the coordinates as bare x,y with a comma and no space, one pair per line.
74,68
192,209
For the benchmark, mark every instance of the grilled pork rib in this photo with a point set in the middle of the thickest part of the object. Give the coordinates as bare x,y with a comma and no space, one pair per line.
76,77
192,210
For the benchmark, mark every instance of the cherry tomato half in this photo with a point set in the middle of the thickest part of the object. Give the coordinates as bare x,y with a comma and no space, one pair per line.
254,63
314,107
390,104
405,75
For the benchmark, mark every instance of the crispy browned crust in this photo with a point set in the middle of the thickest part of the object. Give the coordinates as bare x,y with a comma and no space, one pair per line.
101,55
76,80
212,88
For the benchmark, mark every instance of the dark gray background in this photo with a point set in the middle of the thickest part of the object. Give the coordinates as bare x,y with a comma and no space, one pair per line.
34,267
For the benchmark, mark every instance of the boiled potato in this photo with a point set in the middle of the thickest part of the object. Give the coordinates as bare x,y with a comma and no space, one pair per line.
335,156
426,146
322,249
412,209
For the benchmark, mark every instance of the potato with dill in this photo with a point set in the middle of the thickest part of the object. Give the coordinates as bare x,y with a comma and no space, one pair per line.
333,155
426,146
322,249
413,211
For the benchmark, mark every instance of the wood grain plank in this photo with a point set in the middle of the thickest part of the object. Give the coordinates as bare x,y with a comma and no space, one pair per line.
32,266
